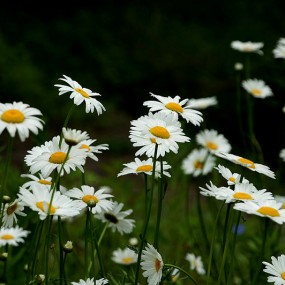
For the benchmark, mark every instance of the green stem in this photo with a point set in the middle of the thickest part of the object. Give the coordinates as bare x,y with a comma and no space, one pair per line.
61,265
146,194
226,224
47,246
182,270
66,122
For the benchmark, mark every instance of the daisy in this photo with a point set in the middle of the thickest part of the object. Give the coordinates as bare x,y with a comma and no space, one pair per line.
238,66
10,212
175,106
195,263
263,208
90,281
257,88
276,269
159,129
152,265
87,196
247,46
279,50
124,256
282,154
116,218
232,178
202,103
247,163
214,191
80,94
280,198
12,236
52,157
144,166
20,117
73,137
212,141
198,162
91,149
39,199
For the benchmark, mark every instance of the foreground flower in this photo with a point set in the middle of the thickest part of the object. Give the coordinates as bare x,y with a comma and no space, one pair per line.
80,94
232,178
276,269
202,103
257,88
124,256
21,118
73,137
152,265
174,106
213,191
91,149
247,46
195,263
12,236
163,130
90,281
10,213
279,50
248,164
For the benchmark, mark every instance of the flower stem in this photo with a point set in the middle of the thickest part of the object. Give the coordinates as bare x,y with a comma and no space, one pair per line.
182,270
66,121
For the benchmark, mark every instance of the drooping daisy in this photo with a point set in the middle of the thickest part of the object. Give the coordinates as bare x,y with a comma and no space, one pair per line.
152,264
195,263
124,256
90,281
39,199
73,137
145,166
263,208
163,130
116,218
212,141
247,47
282,154
91,149
176,107
248,164
10,213
214,191
202,103
21,118
257,88
198,162
51,157
276,269
279,50
232,178
87,196
80,94
12,236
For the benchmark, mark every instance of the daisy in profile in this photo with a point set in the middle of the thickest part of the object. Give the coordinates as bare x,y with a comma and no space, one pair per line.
248,47
87,196
152,264
72,137
276,269
92,150
195,263
232,178
163,130
212,141
12,236
257,88
116,218
10,213
176,107
90,281
202,103
212,190
282,154
145,166
264,208
80,94
198,162
279,50
260,168
21,118
124,256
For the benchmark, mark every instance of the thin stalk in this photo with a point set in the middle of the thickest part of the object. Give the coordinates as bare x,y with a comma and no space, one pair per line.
226,224
61,264
66,122
146,193
47,245
182,270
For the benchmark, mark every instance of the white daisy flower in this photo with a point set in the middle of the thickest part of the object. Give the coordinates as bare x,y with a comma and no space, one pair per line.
198,162
202,103
232,178
39,199
280,198
90,281
212,141
279,50
276,269
175,275
91,149
174,106
152,264
163,130
195,263
257,88
21,118
51,157
73,137
247,163
263,208
10,213
282,154
12,236
80,94
124,256
145,166
214,191
247,46
116,218
89,197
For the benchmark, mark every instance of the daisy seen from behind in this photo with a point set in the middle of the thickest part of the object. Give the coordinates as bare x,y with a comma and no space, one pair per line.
80,94
202,103
282,154
72,136
248,47
195,263
276,269
279,50
21,118
124,256
257,88
11,211
91,281
12,236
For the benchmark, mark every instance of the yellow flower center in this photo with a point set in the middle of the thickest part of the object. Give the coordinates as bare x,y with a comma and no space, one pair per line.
127,260
247,162
174,107
85,146
283,275
44,182
82,92
11,209
198,164
256,92
57,157
144,168
44,206
212,146
283,206
90,199
153,140
160,132
268,211
242,196
7,237
157,265
232,179
13,116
